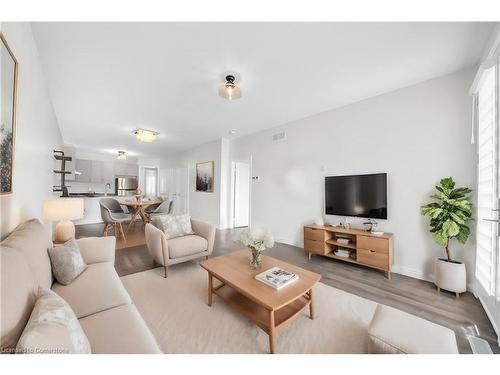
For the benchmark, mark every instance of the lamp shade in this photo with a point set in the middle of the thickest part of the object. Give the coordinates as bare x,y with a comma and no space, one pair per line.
63,209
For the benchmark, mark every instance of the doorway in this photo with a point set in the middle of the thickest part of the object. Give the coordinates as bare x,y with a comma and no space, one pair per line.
241,194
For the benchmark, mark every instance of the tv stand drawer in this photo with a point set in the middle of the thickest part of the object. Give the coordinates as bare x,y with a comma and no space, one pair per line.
379,245
317,247
314,234
373,259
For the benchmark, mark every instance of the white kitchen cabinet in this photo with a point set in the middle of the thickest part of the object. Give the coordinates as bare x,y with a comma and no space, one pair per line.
84,167
97,171
108,173
119,167
132,170
126,169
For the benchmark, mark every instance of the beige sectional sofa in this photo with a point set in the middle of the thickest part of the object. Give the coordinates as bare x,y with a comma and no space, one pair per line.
98,298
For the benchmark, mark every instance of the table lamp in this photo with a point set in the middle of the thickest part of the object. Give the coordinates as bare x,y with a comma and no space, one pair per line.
63,210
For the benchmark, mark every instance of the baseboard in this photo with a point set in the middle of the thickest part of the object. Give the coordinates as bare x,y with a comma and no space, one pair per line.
411,272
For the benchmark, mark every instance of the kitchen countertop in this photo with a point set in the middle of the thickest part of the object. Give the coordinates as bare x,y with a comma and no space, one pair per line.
92,195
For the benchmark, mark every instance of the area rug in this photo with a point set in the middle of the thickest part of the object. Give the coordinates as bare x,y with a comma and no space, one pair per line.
177,313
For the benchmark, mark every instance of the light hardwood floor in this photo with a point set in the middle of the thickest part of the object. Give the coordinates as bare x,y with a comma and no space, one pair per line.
464,315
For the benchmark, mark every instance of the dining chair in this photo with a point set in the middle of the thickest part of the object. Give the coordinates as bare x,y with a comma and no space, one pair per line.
113,216
165,208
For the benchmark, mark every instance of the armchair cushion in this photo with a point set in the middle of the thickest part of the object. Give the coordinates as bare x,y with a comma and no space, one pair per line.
174,226
186,245
97,249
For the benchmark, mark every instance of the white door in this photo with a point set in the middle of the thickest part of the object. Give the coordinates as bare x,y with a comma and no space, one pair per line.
150,182
241,201
181,202
487,270
163,185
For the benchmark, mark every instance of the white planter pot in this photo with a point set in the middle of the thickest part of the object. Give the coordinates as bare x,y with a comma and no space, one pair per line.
450,276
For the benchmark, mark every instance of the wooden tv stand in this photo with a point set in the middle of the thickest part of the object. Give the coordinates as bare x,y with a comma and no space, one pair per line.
367,249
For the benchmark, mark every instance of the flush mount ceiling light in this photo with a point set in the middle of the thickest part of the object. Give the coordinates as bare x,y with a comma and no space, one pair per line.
121,155
146,136
230,90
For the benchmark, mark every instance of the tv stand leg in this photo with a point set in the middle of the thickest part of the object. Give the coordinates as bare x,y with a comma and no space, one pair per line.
388,275
310,256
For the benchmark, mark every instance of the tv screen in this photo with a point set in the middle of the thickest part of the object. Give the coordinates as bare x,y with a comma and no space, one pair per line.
359,195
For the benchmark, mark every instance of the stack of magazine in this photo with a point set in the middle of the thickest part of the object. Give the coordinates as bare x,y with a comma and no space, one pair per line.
276,277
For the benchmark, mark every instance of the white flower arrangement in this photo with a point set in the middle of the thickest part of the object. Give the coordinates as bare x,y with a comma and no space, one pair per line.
256,239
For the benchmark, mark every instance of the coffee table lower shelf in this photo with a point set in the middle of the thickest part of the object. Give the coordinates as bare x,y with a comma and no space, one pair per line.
270,321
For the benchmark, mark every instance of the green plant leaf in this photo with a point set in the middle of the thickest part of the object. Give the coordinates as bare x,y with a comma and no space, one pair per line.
457,218
440,238
447,183
464,234
450,228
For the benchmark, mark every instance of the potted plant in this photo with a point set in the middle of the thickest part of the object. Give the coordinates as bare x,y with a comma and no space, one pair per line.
450,212
257,242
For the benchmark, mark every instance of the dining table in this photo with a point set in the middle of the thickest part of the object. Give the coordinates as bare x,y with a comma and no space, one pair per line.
138,208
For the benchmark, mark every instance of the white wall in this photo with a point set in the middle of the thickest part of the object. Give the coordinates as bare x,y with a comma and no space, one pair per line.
417,135
202,206
37,134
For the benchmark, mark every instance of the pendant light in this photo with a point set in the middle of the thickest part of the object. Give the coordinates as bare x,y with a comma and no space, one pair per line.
230,90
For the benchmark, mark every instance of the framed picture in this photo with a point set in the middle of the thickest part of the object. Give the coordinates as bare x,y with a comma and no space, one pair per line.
205,177
8,88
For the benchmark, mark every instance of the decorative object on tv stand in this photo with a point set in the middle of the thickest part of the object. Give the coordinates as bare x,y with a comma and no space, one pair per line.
449,213
8,72
230,90
370,225
205,177
257,241
146,136
63,210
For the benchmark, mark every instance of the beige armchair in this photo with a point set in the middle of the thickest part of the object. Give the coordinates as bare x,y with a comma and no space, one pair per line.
180,249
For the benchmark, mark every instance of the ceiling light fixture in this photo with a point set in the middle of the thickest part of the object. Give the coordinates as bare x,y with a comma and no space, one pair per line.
230,90
121,155
146,136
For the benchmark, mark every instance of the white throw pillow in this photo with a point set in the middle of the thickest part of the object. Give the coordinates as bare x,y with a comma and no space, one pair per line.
52,328
175,226
67,262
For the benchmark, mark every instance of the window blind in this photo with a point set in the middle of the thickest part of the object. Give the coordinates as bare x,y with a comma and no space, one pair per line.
487,184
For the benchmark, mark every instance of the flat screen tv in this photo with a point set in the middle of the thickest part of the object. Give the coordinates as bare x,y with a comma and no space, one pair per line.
359,195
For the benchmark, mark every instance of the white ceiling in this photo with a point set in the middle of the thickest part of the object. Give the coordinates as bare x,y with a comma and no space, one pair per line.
106,79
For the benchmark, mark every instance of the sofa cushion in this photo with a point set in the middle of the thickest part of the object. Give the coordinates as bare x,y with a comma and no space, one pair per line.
393,331
134,335
17,296
67,262
52,328
97,289
32,239
186,245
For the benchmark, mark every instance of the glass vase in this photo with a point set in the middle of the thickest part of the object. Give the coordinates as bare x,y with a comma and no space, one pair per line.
255,259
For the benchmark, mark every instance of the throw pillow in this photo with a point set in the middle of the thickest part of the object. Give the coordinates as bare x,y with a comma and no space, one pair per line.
175,226
52,328
67,262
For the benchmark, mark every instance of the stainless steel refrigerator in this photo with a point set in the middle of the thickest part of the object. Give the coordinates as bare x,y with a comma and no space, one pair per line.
125,186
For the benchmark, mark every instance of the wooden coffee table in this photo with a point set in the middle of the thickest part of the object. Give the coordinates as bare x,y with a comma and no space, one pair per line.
270,309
